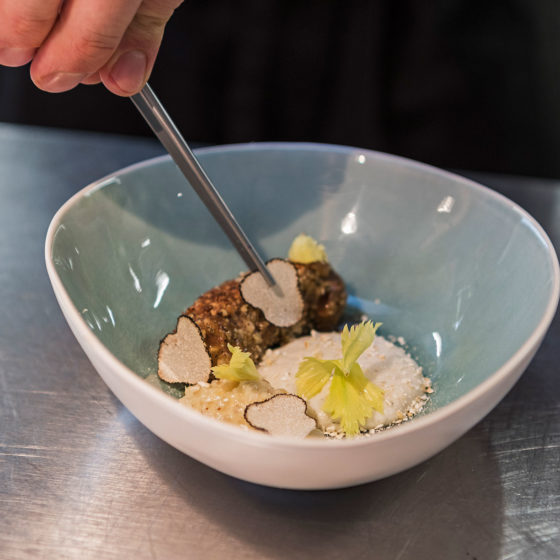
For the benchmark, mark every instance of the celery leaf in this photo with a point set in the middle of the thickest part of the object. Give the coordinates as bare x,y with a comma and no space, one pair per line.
312,375
352,396
355,341
352,399
240,367
305,249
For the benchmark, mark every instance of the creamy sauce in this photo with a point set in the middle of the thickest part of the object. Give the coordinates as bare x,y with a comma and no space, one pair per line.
385,364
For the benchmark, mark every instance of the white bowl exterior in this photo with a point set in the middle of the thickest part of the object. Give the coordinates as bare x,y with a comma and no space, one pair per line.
279,463
286,463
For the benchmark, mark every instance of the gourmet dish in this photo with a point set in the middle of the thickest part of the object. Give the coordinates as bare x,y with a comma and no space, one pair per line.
271,359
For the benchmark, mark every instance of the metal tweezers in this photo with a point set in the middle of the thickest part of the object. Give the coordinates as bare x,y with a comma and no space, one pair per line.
168,134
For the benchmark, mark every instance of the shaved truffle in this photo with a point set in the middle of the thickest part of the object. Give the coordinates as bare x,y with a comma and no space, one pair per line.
282,305
183,356
281,415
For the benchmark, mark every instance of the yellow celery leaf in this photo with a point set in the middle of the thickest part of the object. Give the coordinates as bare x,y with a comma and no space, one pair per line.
371,392
240,367
345,405
355,341
312,375
352,396
351,399
305,249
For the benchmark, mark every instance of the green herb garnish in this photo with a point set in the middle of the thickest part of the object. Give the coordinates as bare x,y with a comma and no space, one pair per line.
352,396
305,249
240,367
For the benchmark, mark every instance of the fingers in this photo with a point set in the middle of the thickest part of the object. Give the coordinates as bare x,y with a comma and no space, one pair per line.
82,40
130,66
24,25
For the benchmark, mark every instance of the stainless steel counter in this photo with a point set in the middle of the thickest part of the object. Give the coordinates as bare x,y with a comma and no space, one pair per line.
81,478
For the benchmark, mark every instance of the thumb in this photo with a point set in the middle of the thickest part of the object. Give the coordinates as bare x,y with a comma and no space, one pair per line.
131,64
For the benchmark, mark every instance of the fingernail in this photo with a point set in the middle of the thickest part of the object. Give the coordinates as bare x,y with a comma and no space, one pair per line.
16,56
91,79
129,71
61,81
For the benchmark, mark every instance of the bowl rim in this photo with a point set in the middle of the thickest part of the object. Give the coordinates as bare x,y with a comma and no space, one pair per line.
129,377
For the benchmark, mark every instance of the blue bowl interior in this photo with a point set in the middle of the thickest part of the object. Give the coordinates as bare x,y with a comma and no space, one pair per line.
460,273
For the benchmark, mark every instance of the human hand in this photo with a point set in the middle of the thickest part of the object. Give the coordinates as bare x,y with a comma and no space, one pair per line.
84,41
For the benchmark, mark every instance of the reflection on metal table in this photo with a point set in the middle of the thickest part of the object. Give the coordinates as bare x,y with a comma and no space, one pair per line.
80,477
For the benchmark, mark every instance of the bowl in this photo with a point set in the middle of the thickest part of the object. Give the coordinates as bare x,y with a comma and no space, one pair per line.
464,275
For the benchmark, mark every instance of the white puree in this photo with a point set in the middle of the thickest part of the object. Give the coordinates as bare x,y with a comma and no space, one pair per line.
386,365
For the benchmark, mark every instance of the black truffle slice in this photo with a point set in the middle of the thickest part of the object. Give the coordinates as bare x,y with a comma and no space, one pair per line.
281,415
281,305
183,356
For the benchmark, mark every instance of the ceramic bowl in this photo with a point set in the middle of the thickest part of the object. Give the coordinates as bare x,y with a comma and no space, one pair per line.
465,276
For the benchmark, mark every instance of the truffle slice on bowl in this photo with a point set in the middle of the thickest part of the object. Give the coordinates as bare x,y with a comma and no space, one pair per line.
282,305
183,356
281,415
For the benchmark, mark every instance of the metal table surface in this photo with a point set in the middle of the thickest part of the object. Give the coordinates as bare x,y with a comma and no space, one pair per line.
80,477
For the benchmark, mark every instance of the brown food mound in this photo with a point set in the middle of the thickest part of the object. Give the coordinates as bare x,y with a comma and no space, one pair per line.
223,316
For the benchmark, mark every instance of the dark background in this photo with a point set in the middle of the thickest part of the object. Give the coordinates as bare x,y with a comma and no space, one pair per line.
469,84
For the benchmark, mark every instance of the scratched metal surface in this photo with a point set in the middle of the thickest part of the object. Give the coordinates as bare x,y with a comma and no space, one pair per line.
81,478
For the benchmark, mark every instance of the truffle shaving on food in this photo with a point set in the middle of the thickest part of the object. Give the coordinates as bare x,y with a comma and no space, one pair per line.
281,415
282,304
